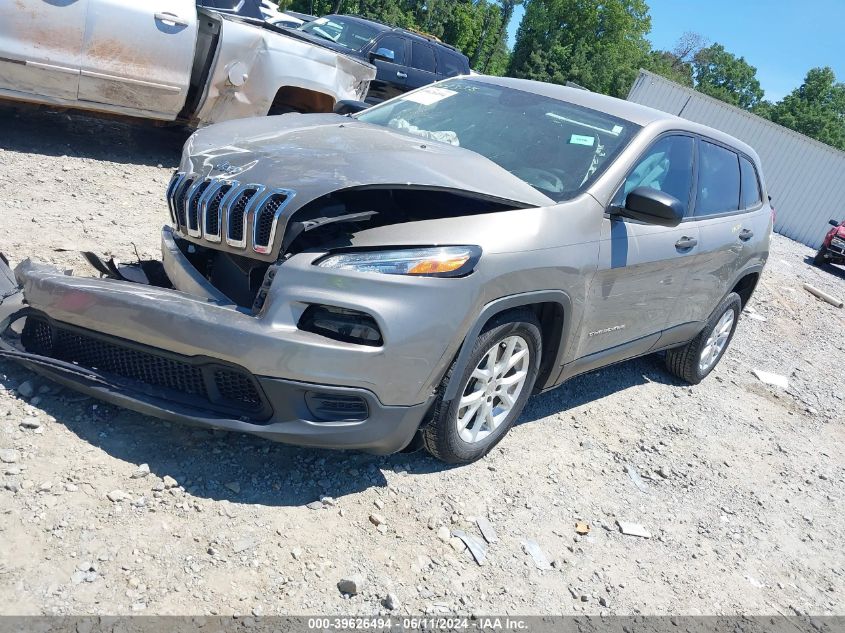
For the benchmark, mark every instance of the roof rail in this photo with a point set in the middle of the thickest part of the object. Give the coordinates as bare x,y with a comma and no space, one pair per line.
422,34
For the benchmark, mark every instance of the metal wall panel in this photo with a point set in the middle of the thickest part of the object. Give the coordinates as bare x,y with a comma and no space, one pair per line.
805,178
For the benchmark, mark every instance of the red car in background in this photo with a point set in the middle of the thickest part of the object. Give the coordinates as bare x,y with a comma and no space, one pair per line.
833,247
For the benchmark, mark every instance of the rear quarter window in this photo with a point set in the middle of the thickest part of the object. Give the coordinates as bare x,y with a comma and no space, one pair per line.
450,64
718,180
750,184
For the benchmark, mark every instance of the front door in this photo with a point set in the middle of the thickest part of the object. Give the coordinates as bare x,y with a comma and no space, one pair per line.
642,268
390,75
139,54
40,46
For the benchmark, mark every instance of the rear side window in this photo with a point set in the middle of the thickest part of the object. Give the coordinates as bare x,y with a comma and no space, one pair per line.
666,166
750,184
422,57
395,45
449,64
718,180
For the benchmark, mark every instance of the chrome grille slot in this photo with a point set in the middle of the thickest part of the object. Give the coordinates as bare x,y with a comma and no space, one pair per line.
171,188
193,207
269,209
237,215
180,200
211,211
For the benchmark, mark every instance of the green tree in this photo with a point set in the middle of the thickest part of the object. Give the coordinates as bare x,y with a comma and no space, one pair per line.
599,44
664,63
816,108
500,49
677,64
724,76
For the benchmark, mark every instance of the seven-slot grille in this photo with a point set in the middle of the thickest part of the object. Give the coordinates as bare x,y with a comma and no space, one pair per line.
178,378
244,215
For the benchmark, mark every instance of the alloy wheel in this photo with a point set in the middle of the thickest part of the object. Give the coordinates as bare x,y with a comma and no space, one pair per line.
493,389
716,342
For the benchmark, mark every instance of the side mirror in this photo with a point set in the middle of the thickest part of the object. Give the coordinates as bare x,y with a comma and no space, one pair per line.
348,106
833,222
382,55
653,207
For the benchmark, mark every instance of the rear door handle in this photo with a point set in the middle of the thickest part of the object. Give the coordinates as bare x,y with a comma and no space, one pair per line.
686,243
746,234
401,75
170,17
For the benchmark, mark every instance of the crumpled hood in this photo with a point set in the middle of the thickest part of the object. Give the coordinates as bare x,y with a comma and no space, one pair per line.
317,154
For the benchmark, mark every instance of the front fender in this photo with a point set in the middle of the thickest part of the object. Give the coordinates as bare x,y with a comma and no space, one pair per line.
503,304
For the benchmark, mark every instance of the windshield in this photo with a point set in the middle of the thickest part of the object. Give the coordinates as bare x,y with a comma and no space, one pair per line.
350,34
557,147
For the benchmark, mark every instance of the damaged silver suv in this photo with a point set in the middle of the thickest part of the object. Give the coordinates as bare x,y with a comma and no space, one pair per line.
412,273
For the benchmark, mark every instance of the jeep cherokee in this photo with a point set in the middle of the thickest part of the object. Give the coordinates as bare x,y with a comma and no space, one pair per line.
413,272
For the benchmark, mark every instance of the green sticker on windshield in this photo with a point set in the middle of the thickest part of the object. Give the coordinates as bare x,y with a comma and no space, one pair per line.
580,139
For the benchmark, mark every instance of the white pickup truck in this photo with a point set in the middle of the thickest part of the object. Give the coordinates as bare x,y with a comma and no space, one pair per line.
166,60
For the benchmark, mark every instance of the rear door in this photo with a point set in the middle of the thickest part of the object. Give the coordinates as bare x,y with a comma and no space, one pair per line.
40,46
643,268
720,221
422,69
138,54
390,76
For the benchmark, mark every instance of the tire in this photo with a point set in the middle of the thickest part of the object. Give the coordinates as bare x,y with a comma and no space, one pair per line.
442,437
820,259
687,363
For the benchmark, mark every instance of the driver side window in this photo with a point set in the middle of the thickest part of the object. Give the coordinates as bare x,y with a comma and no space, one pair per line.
666,166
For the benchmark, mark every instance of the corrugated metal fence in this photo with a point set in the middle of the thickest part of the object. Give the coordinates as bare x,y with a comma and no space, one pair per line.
805,178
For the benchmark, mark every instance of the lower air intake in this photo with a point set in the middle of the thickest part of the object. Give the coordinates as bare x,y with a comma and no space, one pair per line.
163,374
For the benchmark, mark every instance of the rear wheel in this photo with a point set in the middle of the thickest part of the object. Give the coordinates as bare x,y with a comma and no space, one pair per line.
493,389
695,360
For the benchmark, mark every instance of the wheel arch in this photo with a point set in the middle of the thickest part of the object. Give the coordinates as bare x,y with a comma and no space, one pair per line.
553,309
299,99
745,284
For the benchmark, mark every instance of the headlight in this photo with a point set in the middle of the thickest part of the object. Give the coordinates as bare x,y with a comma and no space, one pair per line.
444,261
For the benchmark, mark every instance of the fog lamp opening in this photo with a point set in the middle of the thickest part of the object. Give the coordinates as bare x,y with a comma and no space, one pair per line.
341,324
333,407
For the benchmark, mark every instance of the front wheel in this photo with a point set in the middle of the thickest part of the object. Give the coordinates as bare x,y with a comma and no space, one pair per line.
695,360
493,389
820,259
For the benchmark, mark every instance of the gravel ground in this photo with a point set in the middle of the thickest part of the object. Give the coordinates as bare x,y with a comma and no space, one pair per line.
104,511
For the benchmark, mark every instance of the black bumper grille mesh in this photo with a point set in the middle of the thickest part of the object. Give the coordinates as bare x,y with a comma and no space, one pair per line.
215,386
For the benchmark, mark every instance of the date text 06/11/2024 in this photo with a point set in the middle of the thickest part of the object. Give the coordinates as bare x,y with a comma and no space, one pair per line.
418,623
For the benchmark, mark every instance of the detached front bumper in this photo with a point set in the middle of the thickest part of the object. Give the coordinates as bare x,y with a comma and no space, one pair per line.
191,358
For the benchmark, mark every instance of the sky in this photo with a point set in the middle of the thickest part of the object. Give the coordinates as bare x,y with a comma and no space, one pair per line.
783,39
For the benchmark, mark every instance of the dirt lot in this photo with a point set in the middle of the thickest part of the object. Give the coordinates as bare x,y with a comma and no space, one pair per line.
740,484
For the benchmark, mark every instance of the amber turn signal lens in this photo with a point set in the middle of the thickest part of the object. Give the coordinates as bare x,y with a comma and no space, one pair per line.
438,266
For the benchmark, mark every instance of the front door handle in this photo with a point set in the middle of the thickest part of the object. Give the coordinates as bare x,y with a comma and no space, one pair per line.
401,75
686,243
170,17
746,234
